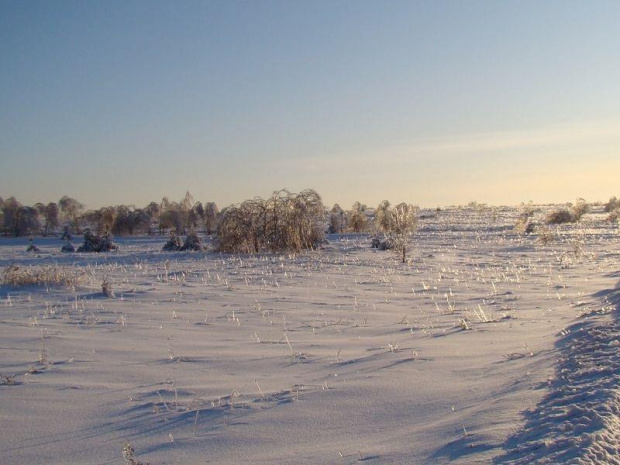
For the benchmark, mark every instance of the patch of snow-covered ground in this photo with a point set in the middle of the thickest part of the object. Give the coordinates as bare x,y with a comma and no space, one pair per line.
486,347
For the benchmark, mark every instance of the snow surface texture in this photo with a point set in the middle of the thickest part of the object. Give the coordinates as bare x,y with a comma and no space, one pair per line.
487,347
578,421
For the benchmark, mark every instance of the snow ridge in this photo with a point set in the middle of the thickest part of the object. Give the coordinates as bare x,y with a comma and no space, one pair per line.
578,422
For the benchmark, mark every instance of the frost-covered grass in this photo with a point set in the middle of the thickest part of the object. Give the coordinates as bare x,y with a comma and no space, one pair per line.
339,355
47,275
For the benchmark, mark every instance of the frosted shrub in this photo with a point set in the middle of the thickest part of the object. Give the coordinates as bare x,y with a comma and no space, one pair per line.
191,242
523,225
612,205
579,209
173,244
381,244
382,217
398,223
67,247
38,276
357,218
284,222
337,220
93,243
129,455
106,287
546,236
32,247
560,216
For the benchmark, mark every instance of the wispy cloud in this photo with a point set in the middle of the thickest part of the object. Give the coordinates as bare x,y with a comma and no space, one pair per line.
554,136
536,143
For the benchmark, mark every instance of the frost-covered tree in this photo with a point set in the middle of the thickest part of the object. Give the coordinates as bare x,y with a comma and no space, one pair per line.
211,213
129,220
71,211
285,221
152,210
175,215
19,220
100,220
240,227
398,223
27,221
185,208
40,208
2,213
196,216
337,219
382,218
357,218
172,219
52,217
10,215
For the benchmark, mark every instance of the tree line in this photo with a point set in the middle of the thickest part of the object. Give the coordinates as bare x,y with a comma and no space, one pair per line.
284,221
70,215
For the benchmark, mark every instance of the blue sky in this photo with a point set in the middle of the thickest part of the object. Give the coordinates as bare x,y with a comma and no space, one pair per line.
429,102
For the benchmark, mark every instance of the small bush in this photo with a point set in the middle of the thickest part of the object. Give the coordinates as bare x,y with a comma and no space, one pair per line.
67,247
611,205
579,209
546,236
106,288
560,216
192,242
523,225
174,243
93,243
382,244
39,276
129,455
66,235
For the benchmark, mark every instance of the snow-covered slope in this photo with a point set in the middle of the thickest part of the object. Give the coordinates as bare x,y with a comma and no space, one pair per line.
487,347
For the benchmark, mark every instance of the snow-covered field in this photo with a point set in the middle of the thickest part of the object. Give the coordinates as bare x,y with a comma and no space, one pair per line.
487,347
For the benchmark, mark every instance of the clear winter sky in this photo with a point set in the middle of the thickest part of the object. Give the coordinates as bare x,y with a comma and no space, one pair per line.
430,102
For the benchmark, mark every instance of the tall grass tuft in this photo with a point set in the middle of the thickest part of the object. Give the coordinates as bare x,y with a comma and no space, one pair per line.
39,276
